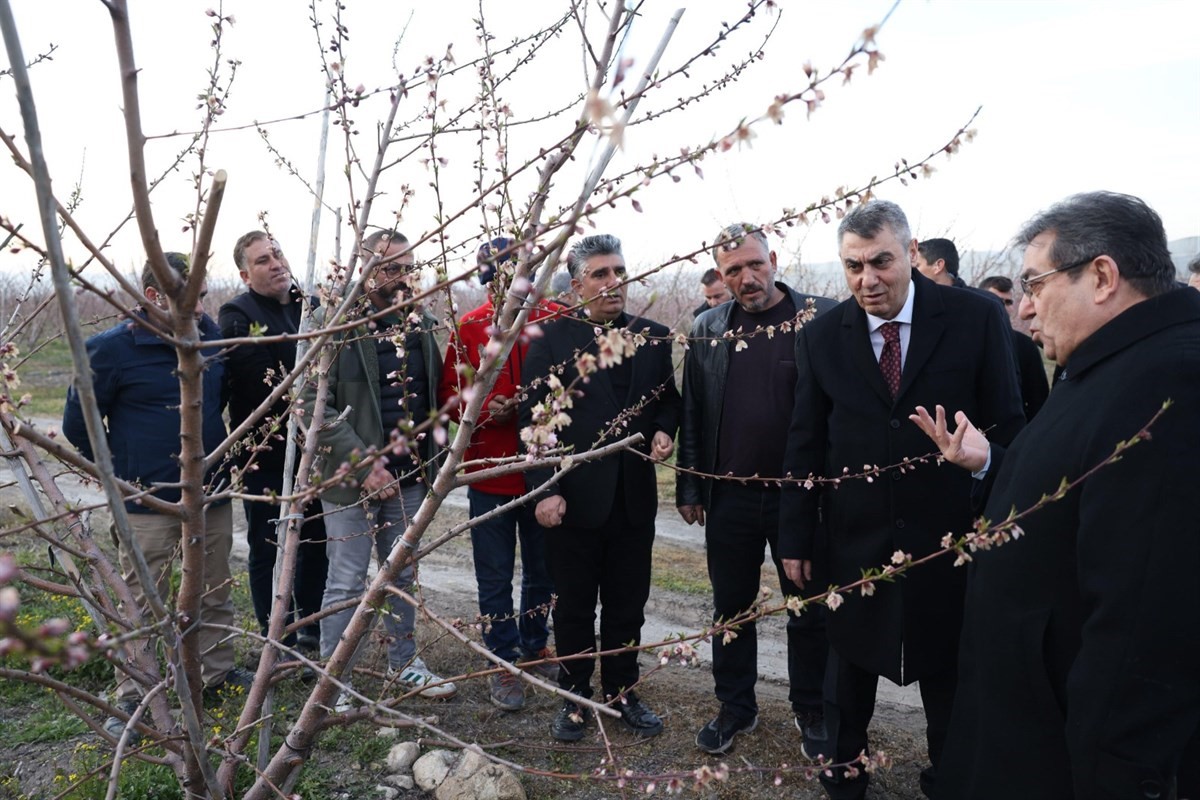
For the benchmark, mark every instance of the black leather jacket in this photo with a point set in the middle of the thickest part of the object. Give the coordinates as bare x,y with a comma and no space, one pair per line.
705,369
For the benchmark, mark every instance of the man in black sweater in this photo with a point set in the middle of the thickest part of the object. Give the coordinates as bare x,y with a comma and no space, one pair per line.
739,380
271,305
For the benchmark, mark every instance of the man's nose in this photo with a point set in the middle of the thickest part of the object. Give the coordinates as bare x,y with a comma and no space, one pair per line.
1025,308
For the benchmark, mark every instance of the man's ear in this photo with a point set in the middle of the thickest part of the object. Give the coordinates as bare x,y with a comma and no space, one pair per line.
1108,279
245,276
939,266
912,254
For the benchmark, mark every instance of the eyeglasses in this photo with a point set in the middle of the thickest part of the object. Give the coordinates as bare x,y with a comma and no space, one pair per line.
395,268
1028,282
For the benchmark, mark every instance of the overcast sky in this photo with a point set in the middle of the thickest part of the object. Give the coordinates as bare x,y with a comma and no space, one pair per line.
1076,96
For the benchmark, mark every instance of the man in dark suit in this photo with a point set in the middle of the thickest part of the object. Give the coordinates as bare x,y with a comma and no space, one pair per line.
602,512
901,340
739,379
1080,663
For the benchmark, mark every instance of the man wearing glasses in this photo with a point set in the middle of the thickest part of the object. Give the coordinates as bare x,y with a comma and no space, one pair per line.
1080,666
381,385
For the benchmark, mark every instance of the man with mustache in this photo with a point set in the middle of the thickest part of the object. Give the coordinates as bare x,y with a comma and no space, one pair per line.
600,516
382,384
738,395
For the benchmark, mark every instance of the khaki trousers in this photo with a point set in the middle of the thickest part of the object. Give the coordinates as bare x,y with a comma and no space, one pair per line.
159,536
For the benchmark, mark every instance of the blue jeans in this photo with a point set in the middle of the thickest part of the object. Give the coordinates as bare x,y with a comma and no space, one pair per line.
351,532
494,544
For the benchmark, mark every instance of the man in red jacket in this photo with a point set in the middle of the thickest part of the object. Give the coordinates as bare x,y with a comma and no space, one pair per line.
494,541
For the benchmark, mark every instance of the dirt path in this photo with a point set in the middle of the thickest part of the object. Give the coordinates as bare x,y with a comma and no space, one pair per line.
448,583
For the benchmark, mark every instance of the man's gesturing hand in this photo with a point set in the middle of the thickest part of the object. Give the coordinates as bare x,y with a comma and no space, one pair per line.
966,447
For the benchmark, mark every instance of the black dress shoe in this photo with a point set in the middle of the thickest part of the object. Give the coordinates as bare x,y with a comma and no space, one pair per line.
638,718
570,723
928,780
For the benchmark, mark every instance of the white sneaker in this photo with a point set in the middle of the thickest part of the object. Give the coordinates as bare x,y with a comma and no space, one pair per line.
417,676
345,702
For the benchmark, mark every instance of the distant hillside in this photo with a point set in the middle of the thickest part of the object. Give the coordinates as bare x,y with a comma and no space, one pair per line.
975,266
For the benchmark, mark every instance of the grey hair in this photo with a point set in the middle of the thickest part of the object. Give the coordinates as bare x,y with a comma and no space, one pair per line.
602,244
1194,265
1119,226
868,219
732,236
243,243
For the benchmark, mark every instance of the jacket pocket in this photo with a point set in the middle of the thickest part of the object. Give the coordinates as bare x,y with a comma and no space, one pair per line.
1115,777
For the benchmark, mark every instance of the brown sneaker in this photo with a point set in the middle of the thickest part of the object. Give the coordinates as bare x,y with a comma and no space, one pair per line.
506,692
547,670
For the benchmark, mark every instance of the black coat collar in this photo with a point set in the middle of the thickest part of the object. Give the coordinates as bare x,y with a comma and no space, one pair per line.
1135,323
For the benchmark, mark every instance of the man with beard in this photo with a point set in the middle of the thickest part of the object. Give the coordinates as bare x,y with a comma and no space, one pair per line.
738,395
381,384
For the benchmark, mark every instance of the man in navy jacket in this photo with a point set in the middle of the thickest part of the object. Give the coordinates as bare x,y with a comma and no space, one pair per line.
137,391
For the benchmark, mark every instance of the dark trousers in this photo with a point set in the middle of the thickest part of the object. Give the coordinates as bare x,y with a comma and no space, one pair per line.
1189,770
849,706
494,545
611,563
311,564
741,522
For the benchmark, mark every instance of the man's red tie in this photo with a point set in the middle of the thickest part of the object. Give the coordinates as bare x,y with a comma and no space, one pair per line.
889,359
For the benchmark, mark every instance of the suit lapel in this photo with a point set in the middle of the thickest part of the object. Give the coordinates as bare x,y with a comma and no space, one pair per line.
637,372
926,332
854,325
583,339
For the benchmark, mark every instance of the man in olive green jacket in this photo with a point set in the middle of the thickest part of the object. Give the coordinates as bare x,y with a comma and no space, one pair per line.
384,377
